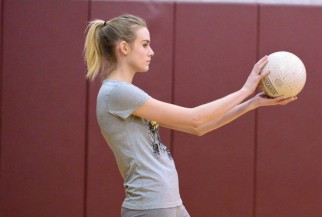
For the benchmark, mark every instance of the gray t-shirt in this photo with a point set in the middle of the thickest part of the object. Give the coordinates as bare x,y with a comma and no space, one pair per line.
146,165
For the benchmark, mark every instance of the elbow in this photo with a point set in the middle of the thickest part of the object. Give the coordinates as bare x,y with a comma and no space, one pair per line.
196,125
196,121
198,131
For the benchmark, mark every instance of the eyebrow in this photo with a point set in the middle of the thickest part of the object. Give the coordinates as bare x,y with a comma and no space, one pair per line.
146,41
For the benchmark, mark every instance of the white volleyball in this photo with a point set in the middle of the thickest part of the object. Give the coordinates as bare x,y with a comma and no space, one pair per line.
287,75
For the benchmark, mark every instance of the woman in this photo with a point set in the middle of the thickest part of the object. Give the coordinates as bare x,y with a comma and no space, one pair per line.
129,118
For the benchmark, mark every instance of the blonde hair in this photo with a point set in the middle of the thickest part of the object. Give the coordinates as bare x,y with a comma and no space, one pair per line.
101,39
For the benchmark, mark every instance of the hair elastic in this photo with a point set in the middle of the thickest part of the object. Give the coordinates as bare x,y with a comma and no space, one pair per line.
104,23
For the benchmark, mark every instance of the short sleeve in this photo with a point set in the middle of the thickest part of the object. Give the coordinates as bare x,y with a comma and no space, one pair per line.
125,99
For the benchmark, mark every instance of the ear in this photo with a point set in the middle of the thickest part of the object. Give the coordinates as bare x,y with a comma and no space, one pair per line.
124,47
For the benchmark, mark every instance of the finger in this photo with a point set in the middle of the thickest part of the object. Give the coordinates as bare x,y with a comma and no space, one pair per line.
262,59
260,65
264,74
292,98
261,94
285,101
280,98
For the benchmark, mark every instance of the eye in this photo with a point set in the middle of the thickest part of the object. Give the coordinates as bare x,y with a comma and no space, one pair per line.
145,45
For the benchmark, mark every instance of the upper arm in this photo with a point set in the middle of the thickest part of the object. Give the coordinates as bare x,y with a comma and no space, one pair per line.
169,115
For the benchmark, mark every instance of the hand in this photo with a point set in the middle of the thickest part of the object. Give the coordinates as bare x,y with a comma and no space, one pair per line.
255,76
263,100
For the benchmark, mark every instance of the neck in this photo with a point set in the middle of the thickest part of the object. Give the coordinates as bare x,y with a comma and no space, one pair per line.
121,74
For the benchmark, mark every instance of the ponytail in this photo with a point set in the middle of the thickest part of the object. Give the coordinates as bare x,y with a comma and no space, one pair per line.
94,56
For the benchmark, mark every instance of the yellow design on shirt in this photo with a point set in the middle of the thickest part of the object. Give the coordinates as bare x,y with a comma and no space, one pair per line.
154,125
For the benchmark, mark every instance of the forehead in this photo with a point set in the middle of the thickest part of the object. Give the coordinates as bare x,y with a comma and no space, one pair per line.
142,34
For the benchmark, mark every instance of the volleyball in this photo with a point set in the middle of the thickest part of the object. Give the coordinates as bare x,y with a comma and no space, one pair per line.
287,75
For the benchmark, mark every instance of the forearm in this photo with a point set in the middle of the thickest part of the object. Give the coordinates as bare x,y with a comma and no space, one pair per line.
230,116
214,110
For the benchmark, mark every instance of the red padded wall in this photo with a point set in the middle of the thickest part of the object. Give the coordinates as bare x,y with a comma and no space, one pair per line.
214,55
203,51
1,45
289,138
43,109
105,186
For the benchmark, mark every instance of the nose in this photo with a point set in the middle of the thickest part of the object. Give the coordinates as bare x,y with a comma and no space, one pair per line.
151,52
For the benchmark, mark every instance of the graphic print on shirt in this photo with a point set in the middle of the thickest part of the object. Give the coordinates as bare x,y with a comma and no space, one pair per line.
154,138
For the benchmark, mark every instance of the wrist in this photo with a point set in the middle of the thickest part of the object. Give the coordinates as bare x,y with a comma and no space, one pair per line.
253,103
245,93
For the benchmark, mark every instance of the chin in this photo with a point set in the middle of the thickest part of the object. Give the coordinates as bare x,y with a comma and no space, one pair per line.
144,70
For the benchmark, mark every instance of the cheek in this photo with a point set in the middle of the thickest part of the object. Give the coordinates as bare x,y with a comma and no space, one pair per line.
141,52
138,59
140,55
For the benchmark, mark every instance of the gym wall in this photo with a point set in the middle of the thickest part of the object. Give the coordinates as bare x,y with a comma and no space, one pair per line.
54,162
